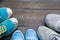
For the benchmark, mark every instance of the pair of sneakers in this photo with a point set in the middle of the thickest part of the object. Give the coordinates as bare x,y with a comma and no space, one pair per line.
7,26
30,35
50,32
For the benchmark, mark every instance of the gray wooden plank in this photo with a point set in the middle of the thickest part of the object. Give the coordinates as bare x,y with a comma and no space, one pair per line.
35,0
32,5
31,18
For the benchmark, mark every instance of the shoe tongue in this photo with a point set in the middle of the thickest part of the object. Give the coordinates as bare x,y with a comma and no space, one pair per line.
3,29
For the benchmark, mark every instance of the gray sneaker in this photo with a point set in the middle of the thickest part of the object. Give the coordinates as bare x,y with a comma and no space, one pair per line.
53,21
45,33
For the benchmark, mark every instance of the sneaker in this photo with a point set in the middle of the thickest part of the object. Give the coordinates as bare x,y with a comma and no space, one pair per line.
45,33
31,35
53,21
5,13
8,26
17,35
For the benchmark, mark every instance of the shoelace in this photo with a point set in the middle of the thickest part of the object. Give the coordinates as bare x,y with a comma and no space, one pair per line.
56,37
3,29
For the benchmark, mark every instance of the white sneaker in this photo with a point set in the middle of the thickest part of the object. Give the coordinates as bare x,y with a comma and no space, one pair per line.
45,33
53,21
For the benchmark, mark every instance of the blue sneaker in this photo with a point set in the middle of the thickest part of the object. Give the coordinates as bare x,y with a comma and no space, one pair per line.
8,26
31,35
17,35
5,13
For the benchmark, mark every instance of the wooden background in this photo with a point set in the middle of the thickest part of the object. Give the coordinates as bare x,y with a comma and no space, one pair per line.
31,13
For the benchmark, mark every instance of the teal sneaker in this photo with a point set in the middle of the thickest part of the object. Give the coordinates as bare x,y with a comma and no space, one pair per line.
8,26
31,35
5,13
17,35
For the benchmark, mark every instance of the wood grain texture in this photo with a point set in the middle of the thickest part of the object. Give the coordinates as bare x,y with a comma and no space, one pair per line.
32,5
30,19
31,13
36,0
